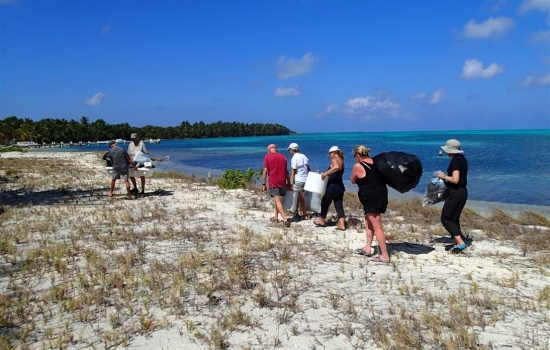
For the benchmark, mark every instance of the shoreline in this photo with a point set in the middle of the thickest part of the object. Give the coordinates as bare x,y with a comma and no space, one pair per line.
483,208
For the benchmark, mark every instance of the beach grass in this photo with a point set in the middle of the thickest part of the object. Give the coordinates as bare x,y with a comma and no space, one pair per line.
206,268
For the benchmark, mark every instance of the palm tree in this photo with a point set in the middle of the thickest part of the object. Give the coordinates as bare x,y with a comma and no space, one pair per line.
9,126
25,132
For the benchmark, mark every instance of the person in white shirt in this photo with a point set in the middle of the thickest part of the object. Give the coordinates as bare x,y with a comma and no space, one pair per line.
135,146
300,168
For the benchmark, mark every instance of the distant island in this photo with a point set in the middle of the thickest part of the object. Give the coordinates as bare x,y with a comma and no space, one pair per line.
48,130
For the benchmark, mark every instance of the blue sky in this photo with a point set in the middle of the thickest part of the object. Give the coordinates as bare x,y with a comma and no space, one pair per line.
311,65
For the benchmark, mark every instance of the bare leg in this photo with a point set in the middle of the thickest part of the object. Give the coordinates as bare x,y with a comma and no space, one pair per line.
376,221
127,183
370,235
133,179
302,205
142,184
342,223
279,207
112,188
458,240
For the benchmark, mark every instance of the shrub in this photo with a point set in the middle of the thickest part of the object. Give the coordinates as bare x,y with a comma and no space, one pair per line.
13,149
236,178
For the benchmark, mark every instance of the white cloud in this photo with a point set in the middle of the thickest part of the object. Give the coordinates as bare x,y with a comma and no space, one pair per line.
419,96
366,104
331,108
473,69
491,28
433,99
541,37
288,91
328,110
437,97
291,67
534,5
533,81
96,99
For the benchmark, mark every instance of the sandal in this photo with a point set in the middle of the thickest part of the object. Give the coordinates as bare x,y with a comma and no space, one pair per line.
318,224
379,260
287,223
273,220
362,251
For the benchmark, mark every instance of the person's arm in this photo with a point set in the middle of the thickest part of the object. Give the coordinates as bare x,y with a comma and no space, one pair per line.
292,176
144,149
264,178
130,150
335,165
130,161
354,174
289,186
454,178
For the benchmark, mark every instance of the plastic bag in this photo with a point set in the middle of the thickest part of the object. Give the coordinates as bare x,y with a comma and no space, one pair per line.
401,171
289,200
436,191
140,157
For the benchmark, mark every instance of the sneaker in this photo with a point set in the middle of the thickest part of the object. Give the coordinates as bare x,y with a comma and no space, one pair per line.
458,248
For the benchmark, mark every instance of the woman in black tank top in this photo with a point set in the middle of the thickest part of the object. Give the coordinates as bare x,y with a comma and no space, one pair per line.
335,189
373,194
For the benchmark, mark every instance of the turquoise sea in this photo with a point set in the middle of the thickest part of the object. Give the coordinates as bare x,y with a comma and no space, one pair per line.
507,166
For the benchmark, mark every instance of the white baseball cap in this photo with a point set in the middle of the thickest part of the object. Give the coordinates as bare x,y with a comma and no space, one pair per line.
333,149
293,145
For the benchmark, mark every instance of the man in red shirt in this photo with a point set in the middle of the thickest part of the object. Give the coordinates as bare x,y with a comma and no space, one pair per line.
275,166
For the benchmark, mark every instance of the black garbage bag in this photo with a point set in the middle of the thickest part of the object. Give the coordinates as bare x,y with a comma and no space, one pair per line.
108,159
401,171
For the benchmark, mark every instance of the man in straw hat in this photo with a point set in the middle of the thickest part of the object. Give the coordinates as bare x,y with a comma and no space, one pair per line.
137,146
275,166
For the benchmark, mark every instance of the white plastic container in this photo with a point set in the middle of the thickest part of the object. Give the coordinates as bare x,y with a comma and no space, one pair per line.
315,184
146,172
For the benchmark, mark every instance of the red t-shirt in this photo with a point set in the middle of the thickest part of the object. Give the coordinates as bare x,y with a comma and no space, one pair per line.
275,163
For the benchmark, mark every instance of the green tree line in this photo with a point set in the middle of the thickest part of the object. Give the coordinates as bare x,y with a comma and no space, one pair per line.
48,130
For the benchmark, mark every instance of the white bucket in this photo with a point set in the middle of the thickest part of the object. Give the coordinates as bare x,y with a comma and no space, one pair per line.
315,184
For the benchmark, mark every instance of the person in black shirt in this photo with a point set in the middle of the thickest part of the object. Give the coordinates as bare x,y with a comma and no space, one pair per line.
456,180
373,195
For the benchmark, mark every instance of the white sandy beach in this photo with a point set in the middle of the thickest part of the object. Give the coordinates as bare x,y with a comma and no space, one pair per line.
209,270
